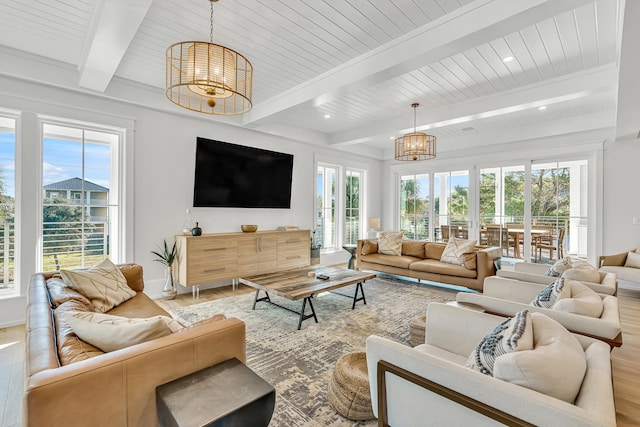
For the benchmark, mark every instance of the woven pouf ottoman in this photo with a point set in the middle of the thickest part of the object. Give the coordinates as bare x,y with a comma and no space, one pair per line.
349,387
416,330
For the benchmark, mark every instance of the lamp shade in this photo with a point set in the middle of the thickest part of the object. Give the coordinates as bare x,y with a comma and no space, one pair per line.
374,223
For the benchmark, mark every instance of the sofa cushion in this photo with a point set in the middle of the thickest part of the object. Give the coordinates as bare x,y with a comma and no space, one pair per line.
402,261
390,243
110,333
104,285
437,267
369,247
434,250
584,272
455,249
60,293
554,367
633,260
514,334
559,267
550,294
413,248
583,300
71,348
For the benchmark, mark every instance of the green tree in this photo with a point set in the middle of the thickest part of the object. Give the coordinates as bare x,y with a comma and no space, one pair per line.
63,229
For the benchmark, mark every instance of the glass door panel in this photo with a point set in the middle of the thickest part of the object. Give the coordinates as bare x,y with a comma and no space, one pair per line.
451,204
414,206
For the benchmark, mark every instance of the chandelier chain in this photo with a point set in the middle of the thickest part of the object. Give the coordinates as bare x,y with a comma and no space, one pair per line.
211,23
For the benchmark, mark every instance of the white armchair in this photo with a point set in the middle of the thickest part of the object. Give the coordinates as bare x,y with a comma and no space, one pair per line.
429,384
534,273
506,297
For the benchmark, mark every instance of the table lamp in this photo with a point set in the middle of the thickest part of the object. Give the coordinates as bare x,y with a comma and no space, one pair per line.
374,226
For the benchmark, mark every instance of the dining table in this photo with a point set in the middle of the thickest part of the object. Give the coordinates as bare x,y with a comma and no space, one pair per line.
536,237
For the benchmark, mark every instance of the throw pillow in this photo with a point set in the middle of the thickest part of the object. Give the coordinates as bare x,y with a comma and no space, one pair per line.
104,285
552,293
514,334
555,366
633,260
369,247
110,333
59,294
559,267
584,272
390,243
455,249
583,300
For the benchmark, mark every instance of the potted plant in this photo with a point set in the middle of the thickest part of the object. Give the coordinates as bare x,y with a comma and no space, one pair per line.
167,257
315,249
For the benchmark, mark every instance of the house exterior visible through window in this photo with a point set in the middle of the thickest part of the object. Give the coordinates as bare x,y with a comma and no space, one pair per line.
7,205
80,196
326,228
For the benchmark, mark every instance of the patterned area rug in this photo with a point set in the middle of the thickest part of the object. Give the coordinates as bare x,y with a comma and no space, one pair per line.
300,363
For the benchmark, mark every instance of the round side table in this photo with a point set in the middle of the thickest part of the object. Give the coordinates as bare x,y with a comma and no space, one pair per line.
352,250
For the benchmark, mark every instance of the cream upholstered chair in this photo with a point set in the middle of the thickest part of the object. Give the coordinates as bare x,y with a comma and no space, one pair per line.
535,273
506,297
625,266
430,385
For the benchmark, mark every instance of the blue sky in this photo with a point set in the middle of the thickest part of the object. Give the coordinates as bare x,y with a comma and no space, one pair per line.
62,160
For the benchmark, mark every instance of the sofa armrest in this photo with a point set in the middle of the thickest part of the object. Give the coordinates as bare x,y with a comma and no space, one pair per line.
118,388
410,404
484,262
613,260
456,329
511,289
526,277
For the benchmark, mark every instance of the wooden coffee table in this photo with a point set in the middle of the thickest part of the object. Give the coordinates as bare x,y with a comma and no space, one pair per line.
303,284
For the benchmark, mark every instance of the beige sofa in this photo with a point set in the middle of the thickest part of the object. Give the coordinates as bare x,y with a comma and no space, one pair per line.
439,390
421,260
506,297
535,273
71,383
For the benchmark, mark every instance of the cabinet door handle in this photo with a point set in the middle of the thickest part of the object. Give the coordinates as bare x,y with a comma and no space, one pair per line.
259,244
293,257
214,269
214,249
293,241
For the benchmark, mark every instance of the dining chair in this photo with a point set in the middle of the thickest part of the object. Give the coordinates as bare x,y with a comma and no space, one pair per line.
499,236
558,246
444,232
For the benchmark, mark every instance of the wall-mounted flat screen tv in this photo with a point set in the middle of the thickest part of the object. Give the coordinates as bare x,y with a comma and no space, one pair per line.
235,176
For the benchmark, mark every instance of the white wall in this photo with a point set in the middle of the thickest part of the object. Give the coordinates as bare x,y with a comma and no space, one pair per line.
162,168
621,196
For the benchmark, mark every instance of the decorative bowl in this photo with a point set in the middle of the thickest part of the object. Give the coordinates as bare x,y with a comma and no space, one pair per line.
249,228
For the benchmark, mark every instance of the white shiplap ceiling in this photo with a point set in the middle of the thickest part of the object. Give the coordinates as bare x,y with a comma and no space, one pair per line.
363,62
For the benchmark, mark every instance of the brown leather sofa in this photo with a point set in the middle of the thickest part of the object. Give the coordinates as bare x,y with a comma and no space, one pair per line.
71,383
421,260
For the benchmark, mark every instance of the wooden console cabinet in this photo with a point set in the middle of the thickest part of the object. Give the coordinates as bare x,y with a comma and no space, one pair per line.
227,256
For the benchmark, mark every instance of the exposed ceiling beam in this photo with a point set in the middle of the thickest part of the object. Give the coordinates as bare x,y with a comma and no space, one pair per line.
112,27
573,86
469,26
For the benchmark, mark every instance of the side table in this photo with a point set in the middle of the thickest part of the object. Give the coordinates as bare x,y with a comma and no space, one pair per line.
228,394
352,250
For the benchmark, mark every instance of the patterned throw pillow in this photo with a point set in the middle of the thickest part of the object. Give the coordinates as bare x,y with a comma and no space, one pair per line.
559,267
514,334
110,333
552,293
390,243
456,248
104,285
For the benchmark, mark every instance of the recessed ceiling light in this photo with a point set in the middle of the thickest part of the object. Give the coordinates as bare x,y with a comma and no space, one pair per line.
542,107
391,137
469,128
327,116
507,59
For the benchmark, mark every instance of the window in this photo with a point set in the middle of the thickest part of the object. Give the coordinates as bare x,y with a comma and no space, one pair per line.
326,207
451,204
80,208
353,212
414,206
7,204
